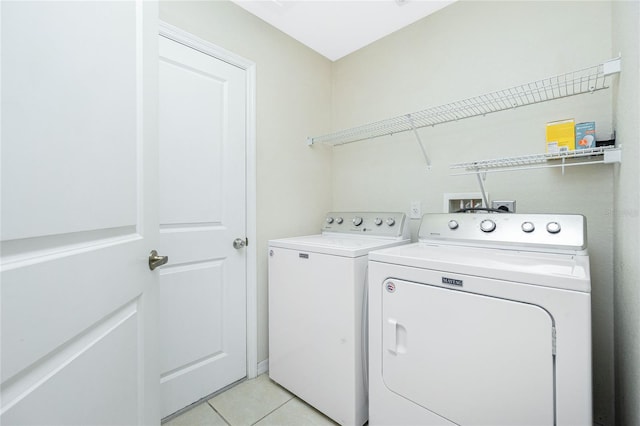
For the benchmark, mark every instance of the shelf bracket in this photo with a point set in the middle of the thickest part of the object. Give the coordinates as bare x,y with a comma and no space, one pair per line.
612,66
415,132
480,177
613,156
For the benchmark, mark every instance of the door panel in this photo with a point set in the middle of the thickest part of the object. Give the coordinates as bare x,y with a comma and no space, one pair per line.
58,109
191,150
472,359
202,210
191,293
67,390
79,167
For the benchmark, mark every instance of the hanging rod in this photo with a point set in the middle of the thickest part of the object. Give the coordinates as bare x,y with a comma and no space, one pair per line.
587,80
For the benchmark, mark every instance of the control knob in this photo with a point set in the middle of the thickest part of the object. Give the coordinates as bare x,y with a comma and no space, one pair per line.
391,221
357,221
453,224
339,220
377,221
487,225
329,220
553,227
528,227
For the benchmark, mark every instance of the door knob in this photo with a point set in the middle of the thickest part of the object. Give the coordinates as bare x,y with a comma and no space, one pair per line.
155,260
239,243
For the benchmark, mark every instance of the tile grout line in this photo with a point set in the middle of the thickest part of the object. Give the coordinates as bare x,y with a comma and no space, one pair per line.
219,413
274,410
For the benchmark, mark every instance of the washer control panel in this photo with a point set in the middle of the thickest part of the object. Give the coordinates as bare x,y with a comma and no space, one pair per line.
384,224
560,231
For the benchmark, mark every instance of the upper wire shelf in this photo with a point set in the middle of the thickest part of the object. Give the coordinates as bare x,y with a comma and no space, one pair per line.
586,80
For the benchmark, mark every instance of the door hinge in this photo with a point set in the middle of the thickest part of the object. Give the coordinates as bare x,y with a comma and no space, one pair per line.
553,341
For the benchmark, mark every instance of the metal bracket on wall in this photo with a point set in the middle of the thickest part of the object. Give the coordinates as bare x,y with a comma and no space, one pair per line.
482,176
415,132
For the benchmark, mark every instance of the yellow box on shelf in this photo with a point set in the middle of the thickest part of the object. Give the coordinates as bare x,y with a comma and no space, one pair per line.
561,136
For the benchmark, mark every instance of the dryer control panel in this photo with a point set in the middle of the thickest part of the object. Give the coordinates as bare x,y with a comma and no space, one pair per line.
379,224
543,232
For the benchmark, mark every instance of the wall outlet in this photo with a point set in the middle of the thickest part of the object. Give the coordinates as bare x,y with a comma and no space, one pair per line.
416,210
508,206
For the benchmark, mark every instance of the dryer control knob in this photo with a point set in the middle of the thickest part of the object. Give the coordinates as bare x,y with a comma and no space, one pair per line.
553,227
487,225
339,220
329,220
528,227
378,221
453,224
391,221
357,221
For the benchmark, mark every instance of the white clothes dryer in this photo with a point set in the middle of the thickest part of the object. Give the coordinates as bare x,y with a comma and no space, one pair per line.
486,320
317,310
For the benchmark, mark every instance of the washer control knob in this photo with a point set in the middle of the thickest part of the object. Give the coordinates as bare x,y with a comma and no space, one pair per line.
391,221
377,221
487,225
329,220
453,224
357,221
528,227
339,220
553,227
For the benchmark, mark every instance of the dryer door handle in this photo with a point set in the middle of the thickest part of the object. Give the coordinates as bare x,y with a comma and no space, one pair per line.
391,334
396,337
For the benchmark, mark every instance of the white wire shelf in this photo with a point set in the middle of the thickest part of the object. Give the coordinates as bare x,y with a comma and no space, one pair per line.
583,81
600,155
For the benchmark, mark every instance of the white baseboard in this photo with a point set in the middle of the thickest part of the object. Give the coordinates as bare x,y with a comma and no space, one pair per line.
263,366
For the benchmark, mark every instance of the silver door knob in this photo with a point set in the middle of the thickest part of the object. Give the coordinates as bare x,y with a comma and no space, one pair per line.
239,243
155,260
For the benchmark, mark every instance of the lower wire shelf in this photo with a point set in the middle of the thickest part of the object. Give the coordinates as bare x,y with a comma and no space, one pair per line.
599,155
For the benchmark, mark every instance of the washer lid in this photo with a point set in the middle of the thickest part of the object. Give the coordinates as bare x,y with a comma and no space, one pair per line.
336,244
564,271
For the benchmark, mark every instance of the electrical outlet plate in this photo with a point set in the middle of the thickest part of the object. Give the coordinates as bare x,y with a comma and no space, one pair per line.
509,206
415,211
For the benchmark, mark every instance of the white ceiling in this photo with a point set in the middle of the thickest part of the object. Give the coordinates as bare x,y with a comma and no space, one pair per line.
335,28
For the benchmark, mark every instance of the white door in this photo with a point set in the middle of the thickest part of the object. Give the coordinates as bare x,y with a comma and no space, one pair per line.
202,212
79,167
472,359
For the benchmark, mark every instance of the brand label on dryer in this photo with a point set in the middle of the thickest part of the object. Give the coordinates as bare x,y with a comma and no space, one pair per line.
451,281
303,255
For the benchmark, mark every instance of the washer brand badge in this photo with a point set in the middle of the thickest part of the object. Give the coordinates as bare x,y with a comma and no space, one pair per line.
303,255
451,281
391,287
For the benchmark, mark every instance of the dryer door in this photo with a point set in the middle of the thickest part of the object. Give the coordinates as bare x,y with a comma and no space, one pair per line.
472,359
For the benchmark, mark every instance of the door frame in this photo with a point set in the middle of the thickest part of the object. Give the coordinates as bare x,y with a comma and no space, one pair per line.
183,37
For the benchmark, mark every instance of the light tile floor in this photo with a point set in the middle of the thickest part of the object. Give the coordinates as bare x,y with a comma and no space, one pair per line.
259,402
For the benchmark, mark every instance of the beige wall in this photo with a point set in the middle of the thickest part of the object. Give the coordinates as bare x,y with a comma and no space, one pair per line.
293,101
626,39
468,49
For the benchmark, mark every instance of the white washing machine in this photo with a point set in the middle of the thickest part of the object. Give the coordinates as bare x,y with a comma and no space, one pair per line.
317,310
486,320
